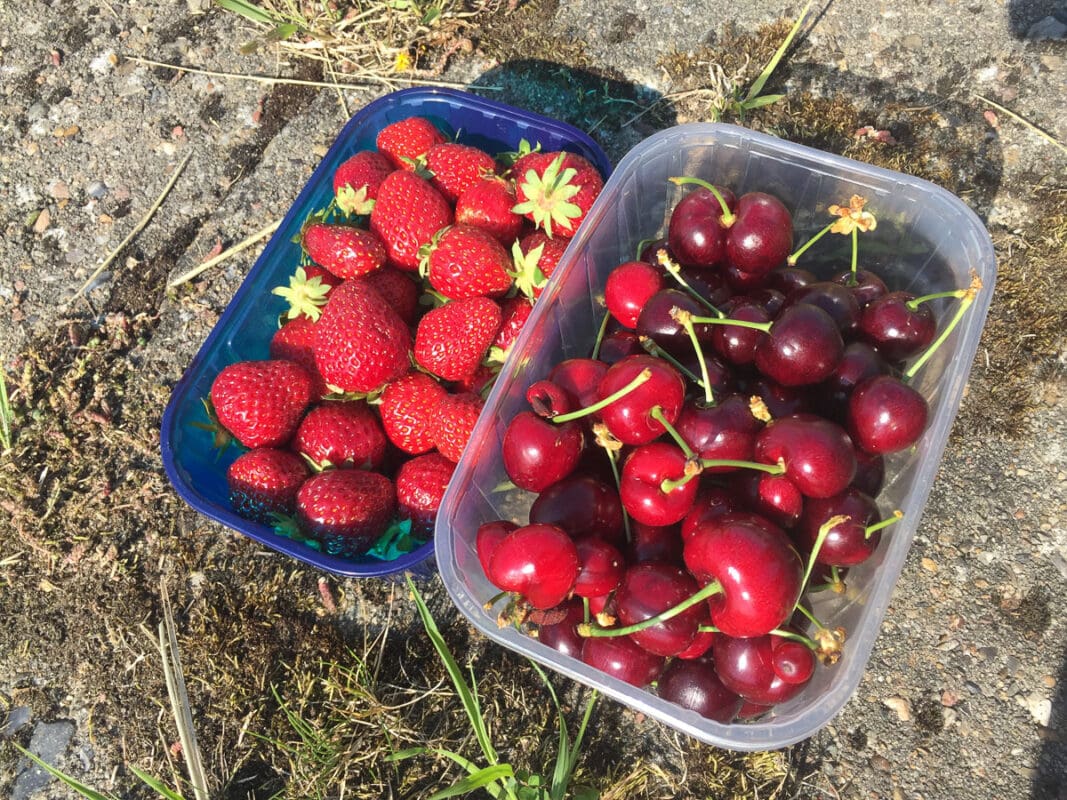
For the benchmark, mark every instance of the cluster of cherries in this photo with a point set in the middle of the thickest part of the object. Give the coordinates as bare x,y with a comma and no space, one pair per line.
715,460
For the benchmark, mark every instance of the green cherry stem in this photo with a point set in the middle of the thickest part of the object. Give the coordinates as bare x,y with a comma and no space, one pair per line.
811,644
674,269
600,336
792,260
855,255
959,294
686,320
707,629
824,531
642,377
613,459
585,610
657,414
654,349
741,323
965,303
727,218
496,598
700,596
897,516
699,465
811,617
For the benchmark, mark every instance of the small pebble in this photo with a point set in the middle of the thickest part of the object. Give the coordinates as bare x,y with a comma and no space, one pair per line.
97,190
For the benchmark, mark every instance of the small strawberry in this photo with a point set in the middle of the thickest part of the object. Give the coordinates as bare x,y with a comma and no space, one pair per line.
399,291
406,141
451,341
343,435
265,481
346,509
514,313
261,402
408,212
420,485
558,194
356,181
456,416
463,262
518,161
307,290
408,409
455,167
345,250
360,341
487,204
295,341
536,257
478,381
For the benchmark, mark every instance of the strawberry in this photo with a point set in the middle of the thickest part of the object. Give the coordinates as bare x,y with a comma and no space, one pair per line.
261,402
356,181
345,250
408,408
265,481
514,313
455,167
464,262
487,204
360,341
408,212
295,341
341,434
451,341
477,381
456,416
406,141
557,191
307,290
536,257
346,509
420,484
399,291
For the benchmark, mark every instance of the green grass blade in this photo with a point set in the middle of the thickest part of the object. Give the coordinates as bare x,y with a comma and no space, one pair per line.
761,80
6,415
761,101
155,784
478,780
410,752
248,11
80,788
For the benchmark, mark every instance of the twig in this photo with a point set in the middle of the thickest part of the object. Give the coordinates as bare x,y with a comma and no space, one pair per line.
138,228
237,248
1042,133
300,82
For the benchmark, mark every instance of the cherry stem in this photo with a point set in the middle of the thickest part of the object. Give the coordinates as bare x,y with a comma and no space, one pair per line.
741,323
770,469
612,459
898,515
824,531
959,294
674,270
968,298
692,469
600,337
792,260
496,598
727,217
855,255
796,637
700,596
657,414
707,629
585,610
654,349
642,377
811,617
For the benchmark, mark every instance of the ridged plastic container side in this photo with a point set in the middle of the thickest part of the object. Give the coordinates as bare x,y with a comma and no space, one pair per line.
245,327
926,241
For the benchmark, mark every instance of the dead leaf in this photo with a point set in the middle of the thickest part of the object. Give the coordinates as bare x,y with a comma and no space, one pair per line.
44,219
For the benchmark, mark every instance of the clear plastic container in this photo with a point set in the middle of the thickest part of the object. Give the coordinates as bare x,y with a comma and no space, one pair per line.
926,240
245,327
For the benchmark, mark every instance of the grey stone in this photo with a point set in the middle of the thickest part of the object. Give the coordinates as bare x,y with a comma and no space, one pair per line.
49,742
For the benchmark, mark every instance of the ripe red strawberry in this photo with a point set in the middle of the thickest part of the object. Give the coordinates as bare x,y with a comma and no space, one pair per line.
557,191
536,257
265,481
295,341
487,204
261,402
345,250
408,212
406,141
360,341
455,167
408,409
399,291
451,341
514,313
456,416
464,262
341,434
356,181
346,509
420,485
307,290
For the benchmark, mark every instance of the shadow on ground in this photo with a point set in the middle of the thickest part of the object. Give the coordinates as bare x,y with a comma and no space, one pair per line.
1050,779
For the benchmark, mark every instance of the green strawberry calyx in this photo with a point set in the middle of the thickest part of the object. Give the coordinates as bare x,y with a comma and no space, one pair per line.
221,438
354,202
548,196
509,158
306,296
528,274
287,527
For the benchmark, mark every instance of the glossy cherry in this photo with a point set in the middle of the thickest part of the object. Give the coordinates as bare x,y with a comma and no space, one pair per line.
711,502
775,497
735,343
617,345
583,505
641,484
630,418
726,430
695,232
886,415
896,329
761,235
859,362
817,454
788,279
866,286
802,346
696,686
562,636
601,567
628,288
580,377
746,666
846,543
649,589
623,659
654,543
836,300
870,472
537,453
539,562
488,536
549,399
657,323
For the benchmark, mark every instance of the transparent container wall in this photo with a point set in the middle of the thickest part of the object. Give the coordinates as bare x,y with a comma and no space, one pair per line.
926,241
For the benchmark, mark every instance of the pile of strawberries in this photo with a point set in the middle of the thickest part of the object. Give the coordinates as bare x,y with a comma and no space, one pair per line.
412,286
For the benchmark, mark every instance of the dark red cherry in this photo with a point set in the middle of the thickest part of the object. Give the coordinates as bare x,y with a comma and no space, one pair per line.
802,347
630,418
859,362
580,377
746,666
700,645
772,300
708,283
488,536
740,281
896,330
628,288
537,453
772,496
658,325
622,658
539,562
788,279
870,472
847,543
735,343
886,415
711,502
602,567
726,430
563,636
833,298
649,589
865,285
654,543
582,505
761,235
650,252
641,484
618,345
781,401
549,399
792,661
695,232
817,454
696,686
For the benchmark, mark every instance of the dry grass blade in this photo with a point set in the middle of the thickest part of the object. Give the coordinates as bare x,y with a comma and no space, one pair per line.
1048,137
225,254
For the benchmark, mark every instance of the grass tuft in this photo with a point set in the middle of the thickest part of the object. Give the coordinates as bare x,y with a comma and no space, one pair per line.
7,415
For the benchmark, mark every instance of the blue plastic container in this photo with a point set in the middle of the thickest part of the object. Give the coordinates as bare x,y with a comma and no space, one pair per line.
243,331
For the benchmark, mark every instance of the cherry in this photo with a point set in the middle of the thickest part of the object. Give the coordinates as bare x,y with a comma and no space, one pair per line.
657,323
695,233
602,567
802,346
700,645
848,542
886,415
649,589
793,662
708,284
746,666
628,288
618,345
741,281
711,502
696,686
865,285
488,536
582,505
537,453
726,430
757,568
761,236
623,659
630,417
895,327
549,399
641,485
562,636
648,250
858,362
870,472
788,279
580,377
654,543
817,454
772,496
835,299
781,401
735,343
540,562
772,300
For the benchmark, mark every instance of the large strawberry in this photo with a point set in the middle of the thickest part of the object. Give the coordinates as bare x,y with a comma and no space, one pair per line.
295,341
261,402
408,409
456,416
341,434
455,167
360,341
405,142
356,181
346,509
557,191
399,291
451,341
420,485
406,215
345,250
264,481
487,204
463,261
